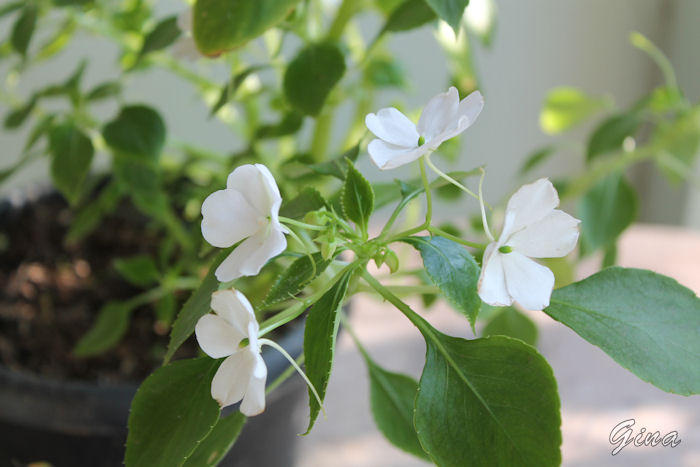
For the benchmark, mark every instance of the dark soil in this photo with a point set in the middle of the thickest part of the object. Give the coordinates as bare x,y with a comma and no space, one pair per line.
50,293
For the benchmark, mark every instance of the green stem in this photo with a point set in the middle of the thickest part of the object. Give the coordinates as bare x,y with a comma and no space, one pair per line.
461,241
284,376
405,290
303,225
181,283
426,187
321,137
448,178
345,12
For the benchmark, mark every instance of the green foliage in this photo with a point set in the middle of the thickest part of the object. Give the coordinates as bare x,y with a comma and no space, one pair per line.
383,72
288,125
645,321
311,76
611,133
308,200
512,323
111,324
450,11
566,107
172,413
71,156
297,276
23,28
409,15
138,131
140,270
319,341
218,442
535,159
104,90
453,270
19,115
228,90
163,34
679,143
357,198
337,167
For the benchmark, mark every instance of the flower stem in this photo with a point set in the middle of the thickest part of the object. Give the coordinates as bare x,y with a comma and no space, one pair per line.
283,377
426,186
454,238
448,178
481,205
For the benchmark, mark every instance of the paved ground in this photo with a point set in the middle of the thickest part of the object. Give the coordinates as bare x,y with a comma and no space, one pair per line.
596,393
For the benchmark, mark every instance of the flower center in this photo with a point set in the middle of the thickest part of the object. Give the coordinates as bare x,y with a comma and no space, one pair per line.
505,249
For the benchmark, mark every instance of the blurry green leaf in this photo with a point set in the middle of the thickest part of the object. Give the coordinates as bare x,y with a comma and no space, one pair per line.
679,143
41,128
642,43
71,156
111,324
59,40
449,192
172,412
220,25
450,11
609,256
563,269
566,107
90,215
606,211
104,90
645,321
23,28
610,134
10,7
218,442
294,278
311,76
72,2
140,270
165,33
358,198
383,72
19,115
308,200
228,90
409,15
166,309
535,159
290,124
337,167
512,323
137,130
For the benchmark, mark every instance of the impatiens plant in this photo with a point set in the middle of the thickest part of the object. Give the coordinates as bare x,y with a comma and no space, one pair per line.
283,231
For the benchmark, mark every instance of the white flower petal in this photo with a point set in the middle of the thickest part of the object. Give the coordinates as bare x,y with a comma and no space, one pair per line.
469,109
234,307
551,237
258,186
227,218
529,283
216,336
439,115
492,283
251,255
254,399
528,205
232,378
393,127
389,156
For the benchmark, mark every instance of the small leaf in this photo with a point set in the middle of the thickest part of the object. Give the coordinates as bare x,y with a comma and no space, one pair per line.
220,25
566,107
336,167
610,134
409,15
512,323
536,158
358,197
679,144
72,154
453,270
19,115
172,412
646,322
163,34
297,276
23,28
311,76
217,444
606,211
90,215
194,308
137,131
308,200
228,90
41,128
319,341
104,91
290,124
10,7
382,72
111,324
450,11
139,270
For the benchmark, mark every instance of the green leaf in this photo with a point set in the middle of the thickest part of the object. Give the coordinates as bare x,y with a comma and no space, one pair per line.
357,198
679,144
288,125
111,324
172,412
489,401
311,76
391,399
228,90
453,270
535,159
606,211
566,107
297,276
647,322
610,134
512,323
90,215
10,7
23,28
409,15
219,441
41,128
71,156
337,167
385,73
165,33
137,131
308,200
139,270
194,308
319,341
220,25
104,91
19,115
451,11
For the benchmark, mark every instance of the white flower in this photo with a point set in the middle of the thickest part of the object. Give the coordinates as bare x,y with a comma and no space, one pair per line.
185,46
247,209
532,229
242,375
400,141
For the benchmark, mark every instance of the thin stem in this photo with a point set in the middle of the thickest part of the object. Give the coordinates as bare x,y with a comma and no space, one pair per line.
426,187
303,225
345,12
454,238
642,43
307,250
284,376
481,205
405,290
448,178
346,324
321,136
281,350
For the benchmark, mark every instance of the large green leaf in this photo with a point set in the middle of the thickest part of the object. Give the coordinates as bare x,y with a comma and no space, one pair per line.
111,324
409,15
566,107
512,323
219,441
453,270
309,199
606,211
71,156
319,341
311,76
220,25
138,131
489,401
357,198
23,28
172,412
647,322
610,134
297,276
450,11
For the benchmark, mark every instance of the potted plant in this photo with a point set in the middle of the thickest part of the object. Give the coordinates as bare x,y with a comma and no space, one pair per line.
232,250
